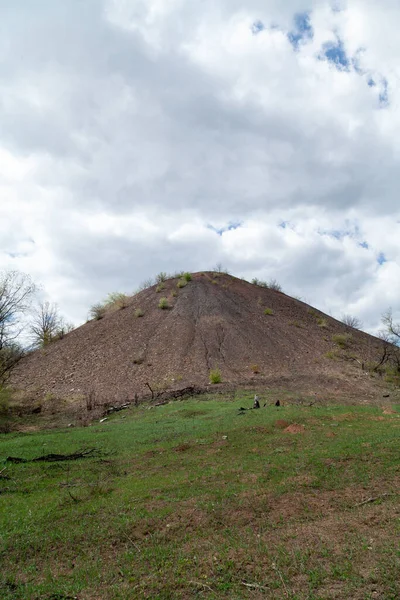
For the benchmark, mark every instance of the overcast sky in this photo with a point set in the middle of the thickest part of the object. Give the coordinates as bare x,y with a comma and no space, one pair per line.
139,136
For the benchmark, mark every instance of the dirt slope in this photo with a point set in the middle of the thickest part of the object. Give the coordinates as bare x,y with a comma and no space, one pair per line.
213,322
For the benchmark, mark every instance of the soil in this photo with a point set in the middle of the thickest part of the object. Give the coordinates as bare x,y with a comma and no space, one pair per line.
295,428
212,323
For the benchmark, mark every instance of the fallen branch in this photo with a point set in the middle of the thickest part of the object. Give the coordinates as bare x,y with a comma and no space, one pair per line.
201,584
89,453
4,476
254,586
374,499
113,409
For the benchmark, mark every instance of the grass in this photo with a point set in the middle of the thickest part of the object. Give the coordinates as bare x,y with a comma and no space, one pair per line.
268,311
139,313
190,500
342,340
215,376
163,304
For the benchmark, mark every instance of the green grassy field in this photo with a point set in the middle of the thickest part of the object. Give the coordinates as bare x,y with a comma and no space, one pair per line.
193,500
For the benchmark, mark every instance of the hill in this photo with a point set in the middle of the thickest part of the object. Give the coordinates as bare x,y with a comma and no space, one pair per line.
250,333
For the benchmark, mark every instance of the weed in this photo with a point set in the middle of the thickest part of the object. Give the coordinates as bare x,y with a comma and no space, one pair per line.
163,304
181,283
161,277
215,376
97,311
268,311
160,287
323,323
187,277
255,369
342,339
139,313
296,324
116,301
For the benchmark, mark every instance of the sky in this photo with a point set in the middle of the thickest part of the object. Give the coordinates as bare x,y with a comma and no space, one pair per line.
139,136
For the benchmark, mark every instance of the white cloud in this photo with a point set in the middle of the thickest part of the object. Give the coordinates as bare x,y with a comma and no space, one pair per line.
131,127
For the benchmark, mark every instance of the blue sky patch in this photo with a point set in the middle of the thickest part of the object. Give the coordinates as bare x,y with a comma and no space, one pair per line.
222,230
381,258
335,53
302,31
384,95
364,245
257,27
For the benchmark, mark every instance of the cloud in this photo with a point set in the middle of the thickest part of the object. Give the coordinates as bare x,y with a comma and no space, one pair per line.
140,136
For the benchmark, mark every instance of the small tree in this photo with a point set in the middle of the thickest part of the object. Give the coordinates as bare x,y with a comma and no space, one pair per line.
48,325
392,328
219,268
390,342
16,293
10,355
351,321
273,284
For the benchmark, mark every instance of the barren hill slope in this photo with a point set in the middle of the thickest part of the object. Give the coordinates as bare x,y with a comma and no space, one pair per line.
212,322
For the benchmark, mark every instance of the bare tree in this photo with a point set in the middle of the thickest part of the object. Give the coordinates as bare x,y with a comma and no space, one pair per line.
392,328
220,268
48,325
16,292
390,349
351,321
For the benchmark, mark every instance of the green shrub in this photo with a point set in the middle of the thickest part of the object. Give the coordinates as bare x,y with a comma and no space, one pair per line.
187,277
174,294
161,277
268,311
323,323
163,303
342,339
139,313
116,300
97,311
181,283
160,287
215,376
